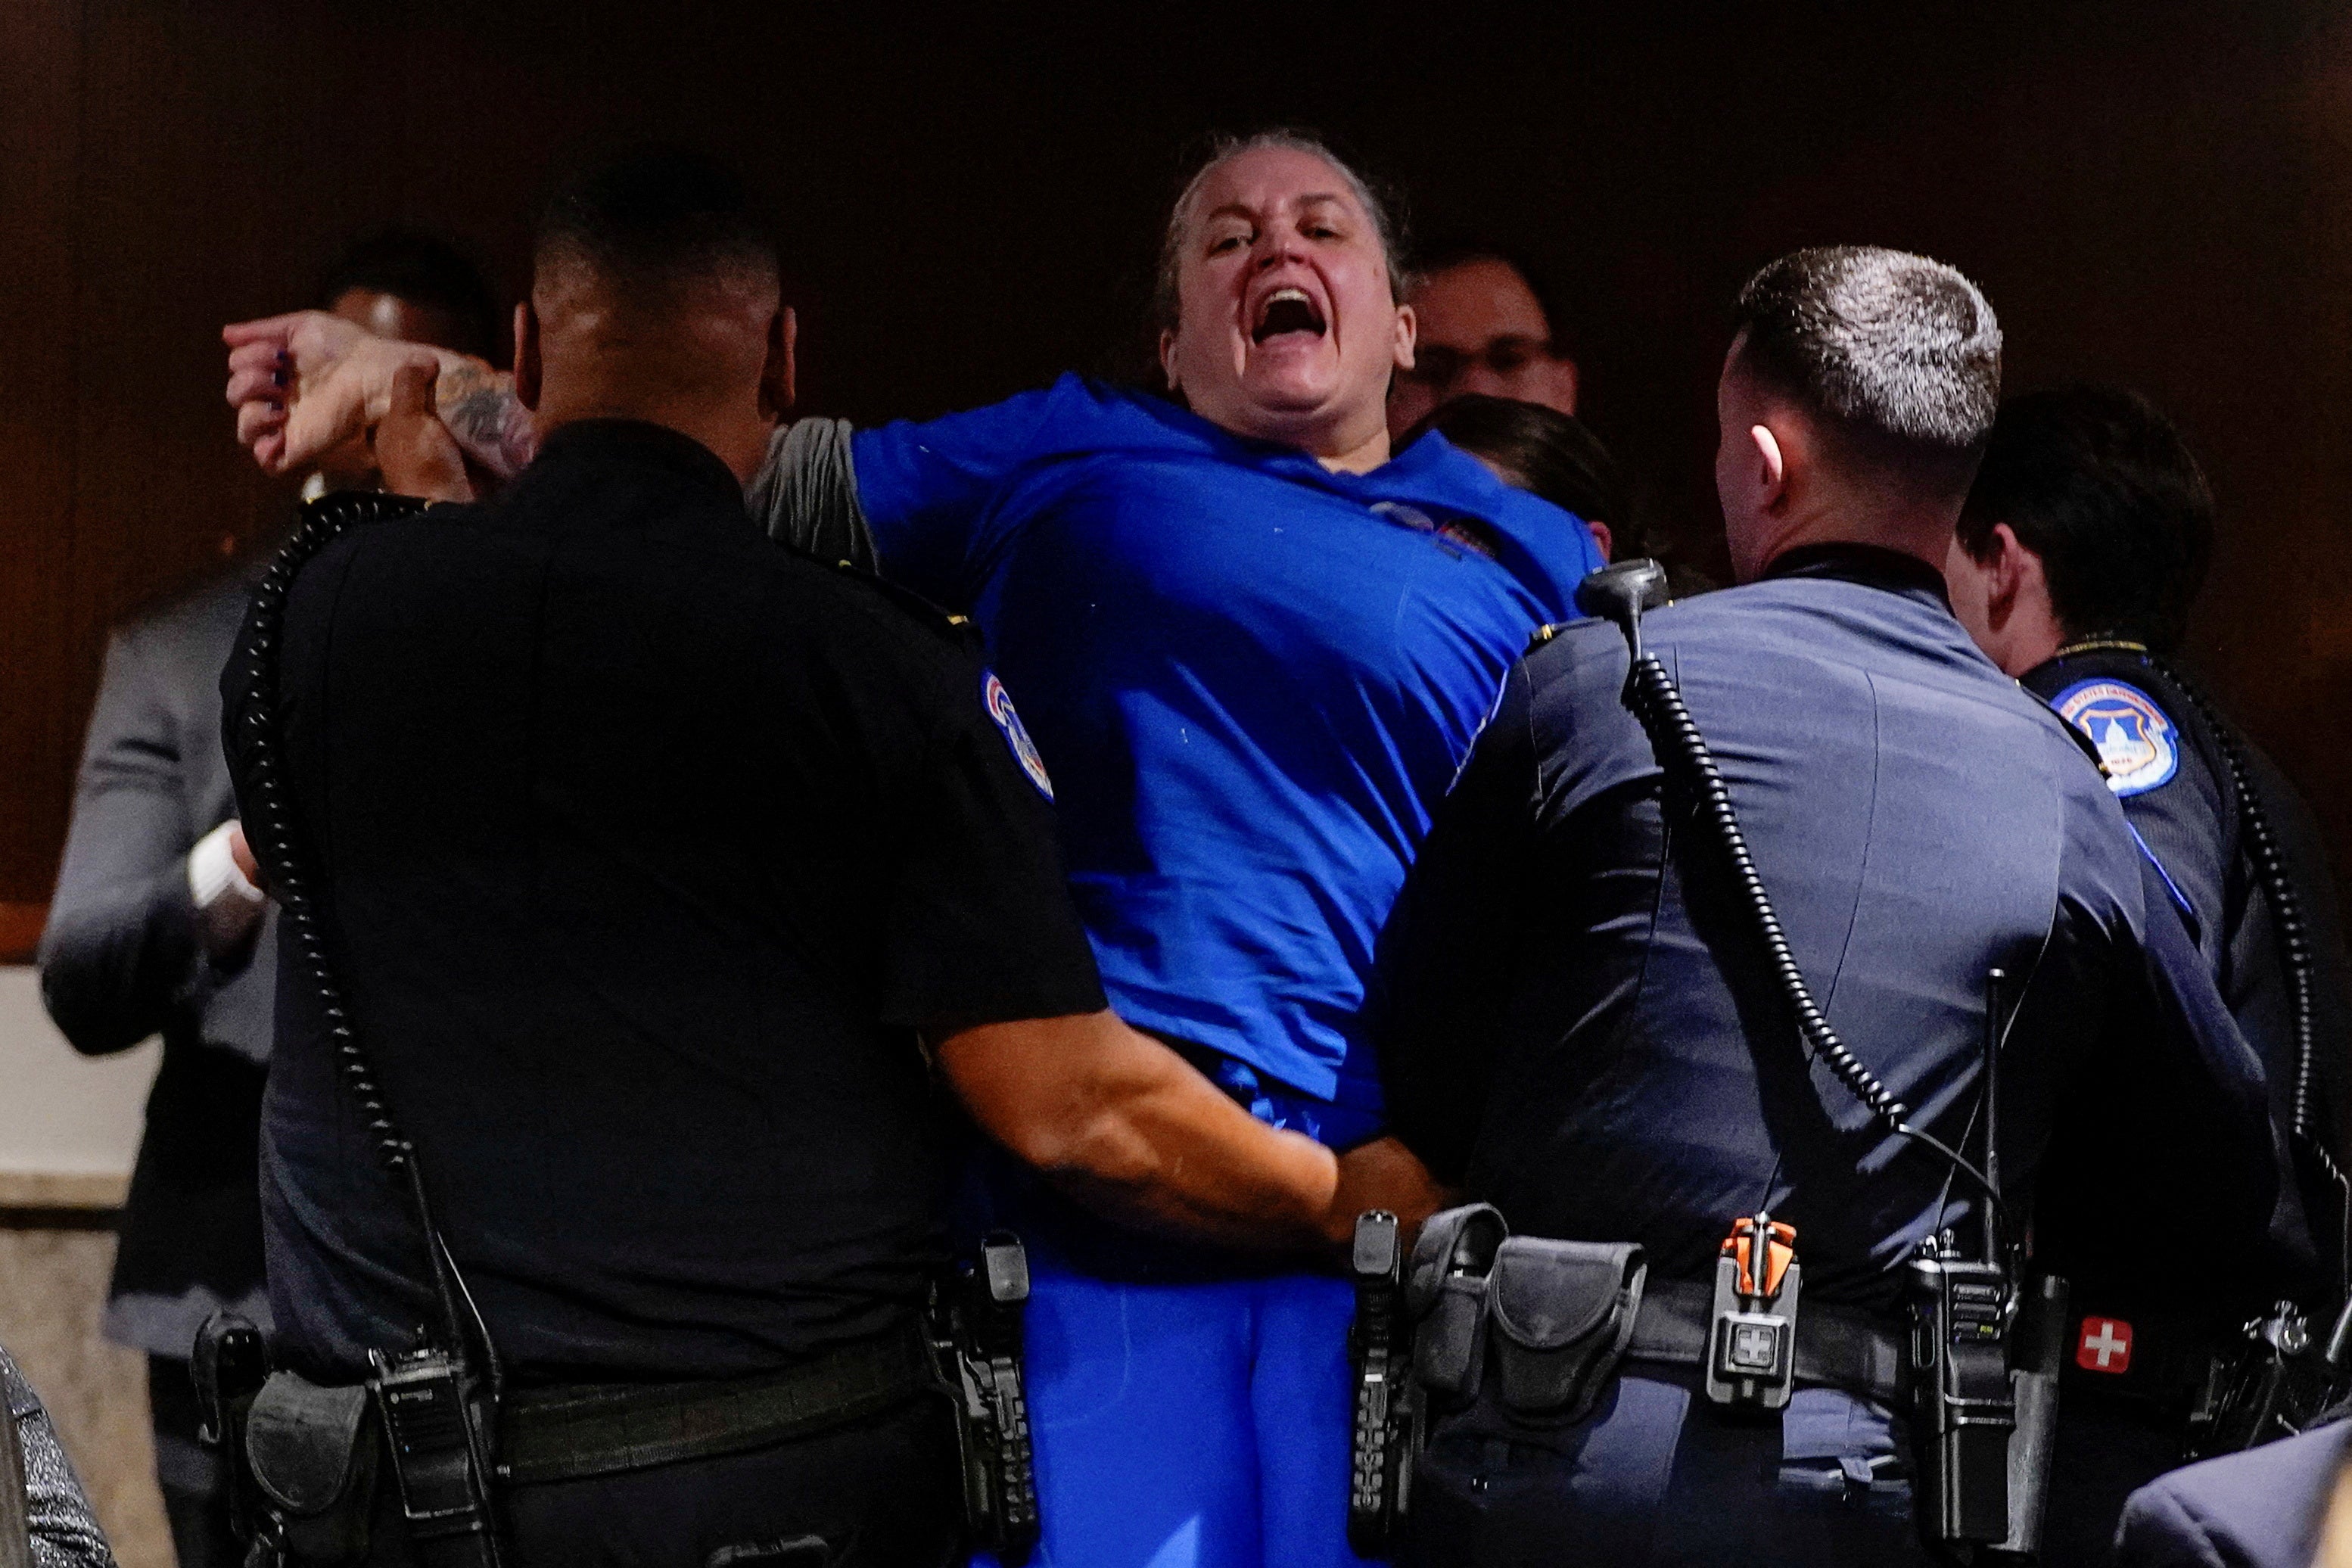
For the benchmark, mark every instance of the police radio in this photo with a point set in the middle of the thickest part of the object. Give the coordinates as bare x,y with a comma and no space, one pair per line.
439,1398
1961,1312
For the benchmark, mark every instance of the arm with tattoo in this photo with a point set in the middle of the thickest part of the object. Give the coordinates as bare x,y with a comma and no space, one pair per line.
304,383
479,405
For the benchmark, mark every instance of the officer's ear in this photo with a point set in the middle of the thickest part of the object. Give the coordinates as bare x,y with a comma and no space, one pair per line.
2016,572
1771,468
527,369
779,375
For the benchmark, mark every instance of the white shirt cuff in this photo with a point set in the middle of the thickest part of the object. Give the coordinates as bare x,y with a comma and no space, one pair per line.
228,906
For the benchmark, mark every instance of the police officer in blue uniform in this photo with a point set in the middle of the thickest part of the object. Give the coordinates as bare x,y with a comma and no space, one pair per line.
1587,1029
2084,542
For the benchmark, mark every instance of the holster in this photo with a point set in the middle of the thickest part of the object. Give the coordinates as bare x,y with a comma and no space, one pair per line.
1446,1297
313,1453
975,1330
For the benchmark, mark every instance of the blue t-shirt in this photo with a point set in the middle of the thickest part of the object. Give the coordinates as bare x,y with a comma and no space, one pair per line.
1251,679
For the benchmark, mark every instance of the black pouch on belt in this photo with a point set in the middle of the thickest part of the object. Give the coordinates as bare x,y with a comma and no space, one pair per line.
1445,1297
1562,1313
313,1453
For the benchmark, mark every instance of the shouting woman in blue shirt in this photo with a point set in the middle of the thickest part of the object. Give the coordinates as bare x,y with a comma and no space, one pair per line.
1251,647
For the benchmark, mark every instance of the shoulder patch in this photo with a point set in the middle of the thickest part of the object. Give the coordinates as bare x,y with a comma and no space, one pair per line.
2136,738
999,703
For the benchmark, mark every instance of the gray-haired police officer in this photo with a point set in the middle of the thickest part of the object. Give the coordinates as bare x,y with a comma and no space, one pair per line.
1590,1029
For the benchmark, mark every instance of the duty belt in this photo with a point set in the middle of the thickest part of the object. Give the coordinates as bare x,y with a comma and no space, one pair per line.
565,1433
1835,1346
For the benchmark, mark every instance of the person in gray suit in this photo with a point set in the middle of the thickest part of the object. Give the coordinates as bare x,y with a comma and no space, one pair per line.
2265,1508
45,1516
156,927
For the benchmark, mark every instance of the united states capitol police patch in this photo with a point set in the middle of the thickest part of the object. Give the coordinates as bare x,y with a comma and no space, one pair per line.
2140,745
1016,734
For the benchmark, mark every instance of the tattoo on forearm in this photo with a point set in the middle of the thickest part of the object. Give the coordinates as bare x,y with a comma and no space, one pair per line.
478,404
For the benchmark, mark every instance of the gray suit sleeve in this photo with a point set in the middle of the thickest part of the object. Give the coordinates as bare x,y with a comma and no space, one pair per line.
121,951
805,495
65,1533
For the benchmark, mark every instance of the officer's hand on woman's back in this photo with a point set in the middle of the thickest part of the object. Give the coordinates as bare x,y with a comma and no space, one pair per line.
1136,1132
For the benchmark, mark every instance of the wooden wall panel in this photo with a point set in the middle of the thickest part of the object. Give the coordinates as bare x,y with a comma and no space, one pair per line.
40,61
2151,192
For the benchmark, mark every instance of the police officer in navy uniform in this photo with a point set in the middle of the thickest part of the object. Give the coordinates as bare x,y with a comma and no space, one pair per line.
1581,1028
2084,542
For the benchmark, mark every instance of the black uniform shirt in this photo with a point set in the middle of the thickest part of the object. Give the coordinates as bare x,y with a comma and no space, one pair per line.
1581,1026
2168,767
645,847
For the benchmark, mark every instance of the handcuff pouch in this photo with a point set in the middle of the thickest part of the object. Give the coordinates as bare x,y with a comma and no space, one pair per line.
314,1457
1562,1313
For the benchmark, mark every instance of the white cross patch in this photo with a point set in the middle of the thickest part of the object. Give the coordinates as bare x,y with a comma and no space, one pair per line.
2106,1345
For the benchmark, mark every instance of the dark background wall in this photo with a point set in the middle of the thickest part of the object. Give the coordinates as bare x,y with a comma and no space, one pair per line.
2151,193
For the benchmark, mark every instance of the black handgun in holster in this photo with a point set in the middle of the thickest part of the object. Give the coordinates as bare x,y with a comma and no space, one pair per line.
1385,1429
2038,1347
2270,1381
230,1364
974,1327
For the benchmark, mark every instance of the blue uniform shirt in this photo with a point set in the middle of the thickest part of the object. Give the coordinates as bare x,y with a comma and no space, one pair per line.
1583,1030
1251,680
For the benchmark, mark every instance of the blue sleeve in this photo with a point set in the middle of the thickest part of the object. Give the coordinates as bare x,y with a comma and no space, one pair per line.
929,491
2160,1117
2179,824
2175,803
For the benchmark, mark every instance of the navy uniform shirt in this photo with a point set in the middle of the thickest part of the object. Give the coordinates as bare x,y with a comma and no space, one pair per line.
1580,1026
645,849
2167,764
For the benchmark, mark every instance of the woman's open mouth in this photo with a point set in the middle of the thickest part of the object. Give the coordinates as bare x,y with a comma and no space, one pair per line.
1286,311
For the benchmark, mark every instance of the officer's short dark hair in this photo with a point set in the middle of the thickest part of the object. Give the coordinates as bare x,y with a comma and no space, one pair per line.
1551,454
654,217
423,270
2098,483
1898,355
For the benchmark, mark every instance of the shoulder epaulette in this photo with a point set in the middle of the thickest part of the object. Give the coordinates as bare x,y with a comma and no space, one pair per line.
946,623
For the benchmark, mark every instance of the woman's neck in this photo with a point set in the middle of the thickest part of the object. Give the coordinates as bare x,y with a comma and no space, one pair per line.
1361,458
